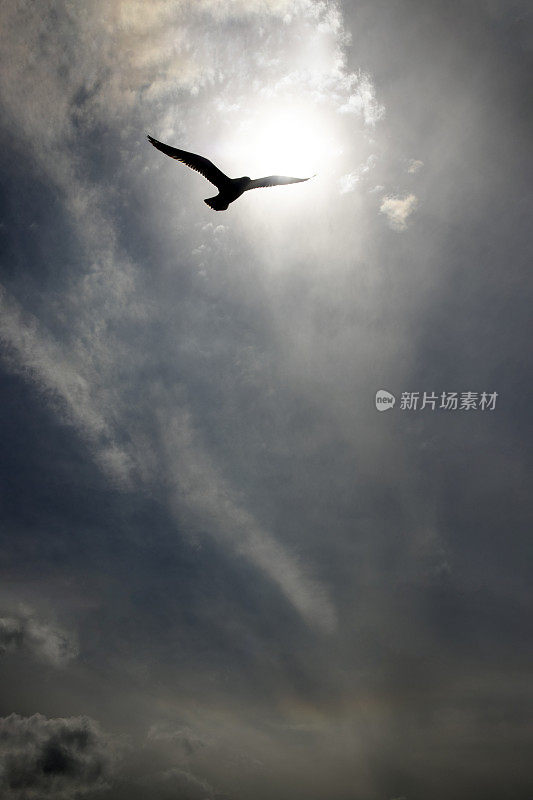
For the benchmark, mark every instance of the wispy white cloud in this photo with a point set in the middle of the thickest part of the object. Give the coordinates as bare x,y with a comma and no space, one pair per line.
363,102
349,181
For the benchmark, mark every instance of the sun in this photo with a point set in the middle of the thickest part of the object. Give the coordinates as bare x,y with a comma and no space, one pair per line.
295,141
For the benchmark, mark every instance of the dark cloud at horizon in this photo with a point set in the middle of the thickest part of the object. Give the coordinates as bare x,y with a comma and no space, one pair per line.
61,758
224,573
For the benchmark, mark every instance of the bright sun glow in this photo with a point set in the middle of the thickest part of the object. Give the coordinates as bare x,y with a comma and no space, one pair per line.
297,142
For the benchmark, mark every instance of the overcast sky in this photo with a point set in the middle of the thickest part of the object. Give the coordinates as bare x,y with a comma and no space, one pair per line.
225,573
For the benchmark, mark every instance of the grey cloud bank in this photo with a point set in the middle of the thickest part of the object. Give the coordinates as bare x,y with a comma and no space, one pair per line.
62,758
275,589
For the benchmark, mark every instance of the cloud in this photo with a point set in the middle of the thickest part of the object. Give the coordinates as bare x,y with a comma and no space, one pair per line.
198,486
129,58
47,363
349,181
237,406
238,8
123,50
87,368
363,101
59,758
45,641
185,739
170,784
398,210
414,166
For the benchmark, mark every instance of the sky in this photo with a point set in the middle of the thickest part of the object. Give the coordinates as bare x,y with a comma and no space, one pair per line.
226,572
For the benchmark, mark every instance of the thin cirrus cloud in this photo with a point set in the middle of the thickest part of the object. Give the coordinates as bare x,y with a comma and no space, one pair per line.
198,484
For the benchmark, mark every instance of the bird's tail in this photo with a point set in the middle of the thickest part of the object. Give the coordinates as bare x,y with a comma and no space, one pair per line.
217,203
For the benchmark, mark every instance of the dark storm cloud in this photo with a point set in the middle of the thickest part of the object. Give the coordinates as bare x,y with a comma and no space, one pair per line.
60,758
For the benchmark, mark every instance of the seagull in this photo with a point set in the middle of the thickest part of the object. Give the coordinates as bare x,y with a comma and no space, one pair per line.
229,189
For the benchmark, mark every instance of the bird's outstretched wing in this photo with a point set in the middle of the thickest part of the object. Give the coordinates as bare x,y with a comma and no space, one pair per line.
274,180
198,163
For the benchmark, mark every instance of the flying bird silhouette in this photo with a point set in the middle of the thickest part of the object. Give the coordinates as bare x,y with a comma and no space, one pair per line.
229,189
